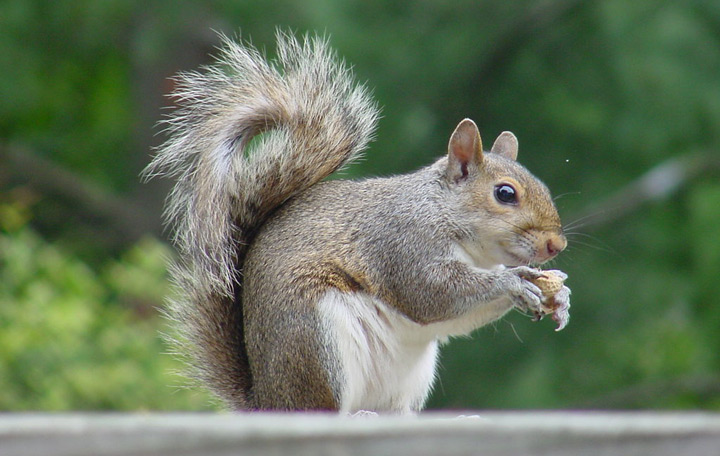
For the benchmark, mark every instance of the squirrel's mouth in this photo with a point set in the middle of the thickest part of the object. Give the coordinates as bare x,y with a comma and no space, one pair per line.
516,260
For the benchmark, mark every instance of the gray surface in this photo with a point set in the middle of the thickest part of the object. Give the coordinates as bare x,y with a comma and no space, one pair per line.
493,433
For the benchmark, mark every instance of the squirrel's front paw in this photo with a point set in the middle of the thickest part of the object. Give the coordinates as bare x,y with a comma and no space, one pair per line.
556,297
525,295
561,314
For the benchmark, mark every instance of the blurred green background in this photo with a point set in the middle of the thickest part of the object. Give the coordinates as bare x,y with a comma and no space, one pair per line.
616,105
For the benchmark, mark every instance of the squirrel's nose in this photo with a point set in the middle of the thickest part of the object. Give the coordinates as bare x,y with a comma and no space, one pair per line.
553,246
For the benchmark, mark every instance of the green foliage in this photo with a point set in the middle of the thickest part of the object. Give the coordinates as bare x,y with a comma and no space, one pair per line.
65,88
74,338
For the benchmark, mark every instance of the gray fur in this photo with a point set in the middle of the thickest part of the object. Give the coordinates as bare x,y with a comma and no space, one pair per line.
262,240
313,120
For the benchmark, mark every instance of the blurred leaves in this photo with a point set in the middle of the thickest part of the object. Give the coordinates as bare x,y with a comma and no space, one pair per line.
73,338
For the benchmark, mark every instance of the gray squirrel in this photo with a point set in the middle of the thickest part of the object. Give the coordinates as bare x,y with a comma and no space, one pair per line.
296,293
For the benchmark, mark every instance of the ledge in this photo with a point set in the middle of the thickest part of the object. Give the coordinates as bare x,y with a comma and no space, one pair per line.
489,433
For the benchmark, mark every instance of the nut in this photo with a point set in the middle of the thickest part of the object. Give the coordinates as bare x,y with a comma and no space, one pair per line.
549,283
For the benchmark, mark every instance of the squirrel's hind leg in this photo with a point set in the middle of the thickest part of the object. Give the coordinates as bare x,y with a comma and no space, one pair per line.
292,366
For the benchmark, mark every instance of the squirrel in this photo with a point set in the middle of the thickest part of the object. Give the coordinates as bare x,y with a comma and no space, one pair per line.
299,293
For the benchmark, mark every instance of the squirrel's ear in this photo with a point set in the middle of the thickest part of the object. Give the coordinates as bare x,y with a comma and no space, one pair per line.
506,145
464,150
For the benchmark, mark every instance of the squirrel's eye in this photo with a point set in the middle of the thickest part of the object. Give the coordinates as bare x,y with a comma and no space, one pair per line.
505,194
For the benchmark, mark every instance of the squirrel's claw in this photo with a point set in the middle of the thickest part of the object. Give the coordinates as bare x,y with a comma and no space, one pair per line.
562,313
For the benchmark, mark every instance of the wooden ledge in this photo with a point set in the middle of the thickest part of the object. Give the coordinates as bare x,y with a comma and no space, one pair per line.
489,433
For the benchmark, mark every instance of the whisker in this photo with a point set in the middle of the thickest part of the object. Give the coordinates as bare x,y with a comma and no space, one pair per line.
578,223
524,230
515,332
597,244
562,195
580,233
591,246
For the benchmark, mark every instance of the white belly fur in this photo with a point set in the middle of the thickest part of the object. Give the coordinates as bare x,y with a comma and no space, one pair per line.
388,361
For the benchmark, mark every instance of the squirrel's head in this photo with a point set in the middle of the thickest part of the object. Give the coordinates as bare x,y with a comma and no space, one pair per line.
511,218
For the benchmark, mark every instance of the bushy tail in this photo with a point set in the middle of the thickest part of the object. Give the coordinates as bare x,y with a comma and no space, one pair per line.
248,135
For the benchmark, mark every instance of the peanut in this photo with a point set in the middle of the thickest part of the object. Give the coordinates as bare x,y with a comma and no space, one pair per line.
550,283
